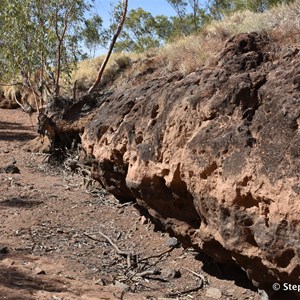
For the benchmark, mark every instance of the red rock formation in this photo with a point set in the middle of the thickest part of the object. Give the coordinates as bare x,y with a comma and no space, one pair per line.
214,156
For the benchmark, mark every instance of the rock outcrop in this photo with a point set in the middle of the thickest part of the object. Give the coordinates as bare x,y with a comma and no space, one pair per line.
214,156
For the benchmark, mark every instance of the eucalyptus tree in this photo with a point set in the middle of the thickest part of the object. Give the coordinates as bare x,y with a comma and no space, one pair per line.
143,31
40,36
121,11
93,34
219,8
191,16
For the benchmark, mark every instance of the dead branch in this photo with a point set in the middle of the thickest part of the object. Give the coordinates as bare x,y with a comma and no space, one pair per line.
121,252
111,47
157,255
93,238
118,250
74,90
196,274
126,254
191,290
146,273
195,289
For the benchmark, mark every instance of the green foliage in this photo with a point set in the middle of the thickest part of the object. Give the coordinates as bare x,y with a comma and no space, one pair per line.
142,31
219,8
40,35
48,35
92,33
190,17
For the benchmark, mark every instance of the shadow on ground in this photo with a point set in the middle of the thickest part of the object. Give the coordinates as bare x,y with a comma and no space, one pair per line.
20,202
14,126
9,136
11,131
16,284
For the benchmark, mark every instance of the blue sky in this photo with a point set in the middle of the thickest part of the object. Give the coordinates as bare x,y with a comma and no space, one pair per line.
155,7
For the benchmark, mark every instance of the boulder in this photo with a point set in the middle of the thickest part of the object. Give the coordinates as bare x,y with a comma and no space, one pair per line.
213,156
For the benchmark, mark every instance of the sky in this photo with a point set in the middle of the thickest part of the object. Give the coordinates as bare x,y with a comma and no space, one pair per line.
155,7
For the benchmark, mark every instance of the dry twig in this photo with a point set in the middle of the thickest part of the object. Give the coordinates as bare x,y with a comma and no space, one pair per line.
195,289
156,255
126,254
191,290
146,273
196,274
93,238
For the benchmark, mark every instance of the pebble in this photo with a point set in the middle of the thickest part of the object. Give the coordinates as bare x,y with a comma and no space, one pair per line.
263,295
170,273
10,169
56,298
122,286
39,271
143,220
172,242
3,250
213,293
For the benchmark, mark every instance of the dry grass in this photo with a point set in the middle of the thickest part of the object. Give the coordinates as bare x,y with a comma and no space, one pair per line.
87,70
189,53
2,90
281,19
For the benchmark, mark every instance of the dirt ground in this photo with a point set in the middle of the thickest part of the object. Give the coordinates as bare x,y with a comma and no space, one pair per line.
61,241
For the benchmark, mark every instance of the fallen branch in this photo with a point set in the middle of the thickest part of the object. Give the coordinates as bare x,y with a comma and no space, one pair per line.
111,47
127,254
146,273
191,290
119,251
157,255
93,238
196,274
195,289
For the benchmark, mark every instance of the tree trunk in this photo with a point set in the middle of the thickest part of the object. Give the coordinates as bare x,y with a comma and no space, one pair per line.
101,71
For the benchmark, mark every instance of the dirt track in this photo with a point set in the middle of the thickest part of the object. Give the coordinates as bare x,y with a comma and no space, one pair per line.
51,245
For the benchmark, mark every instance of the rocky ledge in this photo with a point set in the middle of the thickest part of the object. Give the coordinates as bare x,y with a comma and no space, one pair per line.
213,156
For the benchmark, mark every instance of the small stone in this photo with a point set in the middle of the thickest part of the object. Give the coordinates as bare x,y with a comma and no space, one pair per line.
56,298
12,169
122,286
143,220
3,250
170,273
213,293
229,292
39,271
263,295
172,242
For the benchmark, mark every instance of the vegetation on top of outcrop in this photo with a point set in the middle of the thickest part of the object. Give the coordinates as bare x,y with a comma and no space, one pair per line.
188,53
186,41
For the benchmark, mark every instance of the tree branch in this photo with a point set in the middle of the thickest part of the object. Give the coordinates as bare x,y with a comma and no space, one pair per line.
101,71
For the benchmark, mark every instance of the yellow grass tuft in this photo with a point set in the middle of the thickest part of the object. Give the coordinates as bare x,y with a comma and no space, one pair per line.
282,18
187,54
87,70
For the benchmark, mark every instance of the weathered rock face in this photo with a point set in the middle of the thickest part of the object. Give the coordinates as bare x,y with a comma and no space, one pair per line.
214,156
